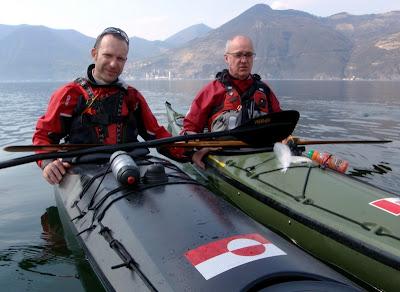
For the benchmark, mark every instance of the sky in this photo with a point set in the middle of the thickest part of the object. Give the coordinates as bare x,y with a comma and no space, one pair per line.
159,19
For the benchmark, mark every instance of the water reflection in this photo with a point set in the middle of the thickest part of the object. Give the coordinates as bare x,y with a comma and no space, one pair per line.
381,168
51,259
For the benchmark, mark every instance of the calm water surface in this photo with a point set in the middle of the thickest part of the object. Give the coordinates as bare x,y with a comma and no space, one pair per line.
33,254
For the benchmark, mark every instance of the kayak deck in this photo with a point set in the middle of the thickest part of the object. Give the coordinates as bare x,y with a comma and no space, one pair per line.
331,198
341,220
169,233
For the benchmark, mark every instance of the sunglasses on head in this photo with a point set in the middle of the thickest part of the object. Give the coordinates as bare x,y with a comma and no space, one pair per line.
115,31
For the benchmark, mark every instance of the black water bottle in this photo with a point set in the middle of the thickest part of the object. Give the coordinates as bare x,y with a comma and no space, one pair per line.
124,168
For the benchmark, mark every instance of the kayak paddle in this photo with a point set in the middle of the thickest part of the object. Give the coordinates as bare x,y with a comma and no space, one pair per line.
262,131
68,147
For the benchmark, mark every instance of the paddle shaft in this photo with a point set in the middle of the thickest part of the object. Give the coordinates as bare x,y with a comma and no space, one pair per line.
184,144
48,147
68,147
299,141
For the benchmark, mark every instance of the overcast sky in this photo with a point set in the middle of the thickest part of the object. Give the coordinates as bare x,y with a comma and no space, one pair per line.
159,19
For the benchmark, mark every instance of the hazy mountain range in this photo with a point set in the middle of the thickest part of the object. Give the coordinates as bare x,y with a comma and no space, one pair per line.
290,44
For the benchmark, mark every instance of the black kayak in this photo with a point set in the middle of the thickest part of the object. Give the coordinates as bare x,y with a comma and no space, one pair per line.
156,229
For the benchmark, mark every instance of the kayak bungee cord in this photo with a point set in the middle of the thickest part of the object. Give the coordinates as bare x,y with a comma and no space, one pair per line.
127,260
130,190
99,213
89,182
98,186
102,214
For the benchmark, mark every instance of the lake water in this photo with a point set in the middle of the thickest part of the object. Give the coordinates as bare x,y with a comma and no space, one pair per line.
33,254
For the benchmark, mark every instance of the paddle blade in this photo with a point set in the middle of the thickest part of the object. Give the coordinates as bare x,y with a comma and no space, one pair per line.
268,129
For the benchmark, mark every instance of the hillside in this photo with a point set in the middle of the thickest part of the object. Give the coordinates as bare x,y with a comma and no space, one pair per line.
292,44
289,44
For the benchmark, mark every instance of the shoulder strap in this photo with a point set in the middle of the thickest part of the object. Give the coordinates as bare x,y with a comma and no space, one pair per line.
264,88
223,77
256,77
85,85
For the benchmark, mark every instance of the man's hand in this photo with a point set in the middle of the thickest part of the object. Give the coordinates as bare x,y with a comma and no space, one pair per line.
54,171
198,156
287,140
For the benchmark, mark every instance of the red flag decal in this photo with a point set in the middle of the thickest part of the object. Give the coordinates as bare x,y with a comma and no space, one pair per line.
219,256
390,205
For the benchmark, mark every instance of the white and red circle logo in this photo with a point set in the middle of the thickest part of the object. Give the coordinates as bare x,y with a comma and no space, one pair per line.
220,256
246,247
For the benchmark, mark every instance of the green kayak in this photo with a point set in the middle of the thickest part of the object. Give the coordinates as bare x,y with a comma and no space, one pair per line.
343,221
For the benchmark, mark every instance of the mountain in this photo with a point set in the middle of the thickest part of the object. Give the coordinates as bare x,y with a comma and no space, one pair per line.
289,44
41,53
292,44
142,48
188,34
6,30
375,42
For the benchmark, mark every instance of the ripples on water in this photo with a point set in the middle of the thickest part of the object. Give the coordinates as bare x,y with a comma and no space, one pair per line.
35,258
47,264
22,103
356,116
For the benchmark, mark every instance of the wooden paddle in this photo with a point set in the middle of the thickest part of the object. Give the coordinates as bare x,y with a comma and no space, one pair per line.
262,131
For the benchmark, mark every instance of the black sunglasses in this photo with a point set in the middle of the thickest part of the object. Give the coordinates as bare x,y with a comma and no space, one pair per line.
115,31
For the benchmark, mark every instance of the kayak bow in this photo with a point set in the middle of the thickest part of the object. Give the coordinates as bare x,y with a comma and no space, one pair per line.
167,232
341,220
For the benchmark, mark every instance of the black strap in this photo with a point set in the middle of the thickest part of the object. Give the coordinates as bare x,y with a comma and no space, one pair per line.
85,85
246,102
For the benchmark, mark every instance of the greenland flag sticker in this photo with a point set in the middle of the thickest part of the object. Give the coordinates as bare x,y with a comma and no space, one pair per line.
390,205
220,256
